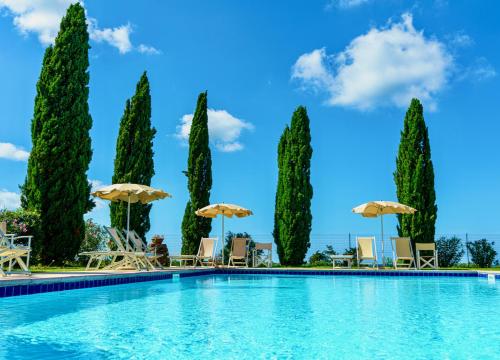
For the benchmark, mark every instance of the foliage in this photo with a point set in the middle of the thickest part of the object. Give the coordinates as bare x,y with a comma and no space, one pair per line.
199,175
414,178
227,245
24,222
134,157
450,251
482,252
293,216
322,258
352,251
56,185
96,237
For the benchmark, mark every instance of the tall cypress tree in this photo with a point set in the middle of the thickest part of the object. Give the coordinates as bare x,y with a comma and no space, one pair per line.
293,215
56,184
414,177
199,175
134,157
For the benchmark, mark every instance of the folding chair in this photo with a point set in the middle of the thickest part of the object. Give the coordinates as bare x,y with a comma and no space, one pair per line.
366,249
402,253
430,261
262,255
239,252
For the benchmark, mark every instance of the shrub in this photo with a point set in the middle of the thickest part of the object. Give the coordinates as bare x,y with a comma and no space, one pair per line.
450,251
96,238
482,252
23,222
322,258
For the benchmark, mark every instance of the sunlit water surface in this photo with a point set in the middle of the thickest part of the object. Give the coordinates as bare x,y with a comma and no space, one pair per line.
259,317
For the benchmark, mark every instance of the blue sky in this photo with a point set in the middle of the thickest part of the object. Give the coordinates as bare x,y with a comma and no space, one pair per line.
353,63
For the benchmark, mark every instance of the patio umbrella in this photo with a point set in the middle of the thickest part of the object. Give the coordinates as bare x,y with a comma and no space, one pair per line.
131,193
380,208
229,210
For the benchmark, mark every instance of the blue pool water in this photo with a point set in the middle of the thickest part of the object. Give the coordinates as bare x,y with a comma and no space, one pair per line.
259,317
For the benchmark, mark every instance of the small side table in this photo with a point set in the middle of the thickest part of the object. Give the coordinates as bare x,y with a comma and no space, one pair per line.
341,259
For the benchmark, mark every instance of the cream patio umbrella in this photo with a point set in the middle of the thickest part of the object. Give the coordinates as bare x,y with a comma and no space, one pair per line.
229,210
131,193
380,208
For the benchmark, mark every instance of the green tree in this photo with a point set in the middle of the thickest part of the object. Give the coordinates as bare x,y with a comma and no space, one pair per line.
414,177
199,175
134,157
56,185
293,216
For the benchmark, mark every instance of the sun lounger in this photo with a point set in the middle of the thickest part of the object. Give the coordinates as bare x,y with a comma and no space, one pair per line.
142,246
13,253
430,261
204,257
366,250
402,253
238,255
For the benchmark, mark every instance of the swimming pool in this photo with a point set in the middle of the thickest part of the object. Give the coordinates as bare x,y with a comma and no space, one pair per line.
259,316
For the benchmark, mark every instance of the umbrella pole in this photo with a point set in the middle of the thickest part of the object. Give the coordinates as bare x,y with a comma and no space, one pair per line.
128,217
223,242
382,226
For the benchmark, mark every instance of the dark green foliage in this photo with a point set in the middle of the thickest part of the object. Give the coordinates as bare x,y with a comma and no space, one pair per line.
134,157
292,218
96,238
227,245
199,175
24,222
414,178
56,184
450,251
482,252
322,258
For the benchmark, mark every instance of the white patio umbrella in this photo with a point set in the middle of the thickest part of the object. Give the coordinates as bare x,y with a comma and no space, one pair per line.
131,193
226,210
380,208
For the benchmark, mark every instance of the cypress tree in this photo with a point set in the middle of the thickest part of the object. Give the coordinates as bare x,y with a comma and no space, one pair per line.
199,175
56,185
293,216
134,157
414,177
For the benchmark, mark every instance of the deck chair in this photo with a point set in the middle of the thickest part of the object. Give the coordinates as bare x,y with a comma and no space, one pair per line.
206,252
366,250
262,255
205,255
141,245
430,261
13,252
402,253
238,255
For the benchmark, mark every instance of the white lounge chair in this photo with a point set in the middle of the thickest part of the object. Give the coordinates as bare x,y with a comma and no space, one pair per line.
366,250
141,245
204,257
430,261
13,253
402,253
262,255
238,255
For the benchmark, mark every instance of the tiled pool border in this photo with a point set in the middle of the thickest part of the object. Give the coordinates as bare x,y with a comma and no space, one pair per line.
37,286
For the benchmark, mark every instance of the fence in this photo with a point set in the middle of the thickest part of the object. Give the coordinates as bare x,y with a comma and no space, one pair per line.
341,242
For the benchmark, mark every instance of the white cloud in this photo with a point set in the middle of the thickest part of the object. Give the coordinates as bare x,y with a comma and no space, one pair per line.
43,18
461,39
12,152
345,4
119,37
224,129
149,50
9,200
96,185
386,66
480,70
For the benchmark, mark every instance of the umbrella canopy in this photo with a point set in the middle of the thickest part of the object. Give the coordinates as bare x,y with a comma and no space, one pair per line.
377,208
229,210
373,209
131,193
